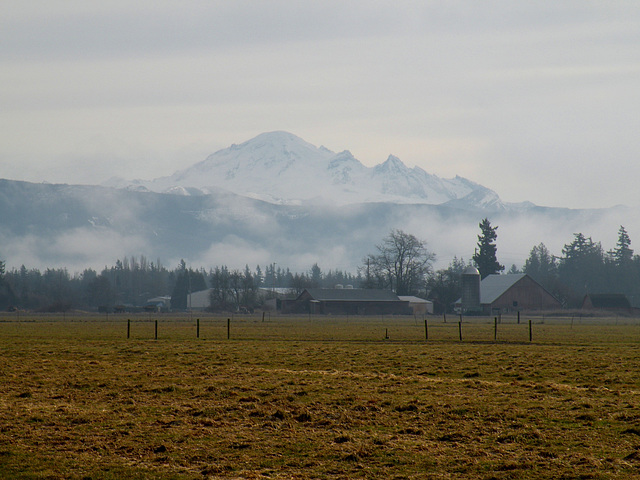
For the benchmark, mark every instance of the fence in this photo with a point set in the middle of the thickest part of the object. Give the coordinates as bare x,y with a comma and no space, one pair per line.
425,329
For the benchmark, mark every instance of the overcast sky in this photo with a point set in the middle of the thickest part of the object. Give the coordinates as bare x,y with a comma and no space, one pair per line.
539,101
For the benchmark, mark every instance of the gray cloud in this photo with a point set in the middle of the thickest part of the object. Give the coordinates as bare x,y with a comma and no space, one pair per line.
536,101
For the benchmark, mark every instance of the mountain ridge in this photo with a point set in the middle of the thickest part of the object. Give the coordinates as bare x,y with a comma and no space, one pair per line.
282,168
79,226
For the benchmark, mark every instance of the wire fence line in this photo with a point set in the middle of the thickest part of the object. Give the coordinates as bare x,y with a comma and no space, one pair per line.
202,326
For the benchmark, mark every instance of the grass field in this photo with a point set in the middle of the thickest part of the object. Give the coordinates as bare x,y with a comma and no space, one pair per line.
318,398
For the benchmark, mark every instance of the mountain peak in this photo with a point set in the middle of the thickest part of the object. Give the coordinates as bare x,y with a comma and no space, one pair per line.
285,168
392,165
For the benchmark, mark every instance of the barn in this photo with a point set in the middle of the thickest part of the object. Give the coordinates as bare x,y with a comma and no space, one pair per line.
347,301
610,302
510,293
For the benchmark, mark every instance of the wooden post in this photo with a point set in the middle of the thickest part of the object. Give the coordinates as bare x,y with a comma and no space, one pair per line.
530,332
518,317
262,317
495,328
228,328
386,334
128,328
444,316
426,330
460,328
197,328
156,335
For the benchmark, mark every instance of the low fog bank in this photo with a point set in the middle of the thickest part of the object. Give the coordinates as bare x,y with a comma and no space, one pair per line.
77,227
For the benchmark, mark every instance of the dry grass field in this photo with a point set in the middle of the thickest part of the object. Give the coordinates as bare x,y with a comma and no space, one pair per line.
318,398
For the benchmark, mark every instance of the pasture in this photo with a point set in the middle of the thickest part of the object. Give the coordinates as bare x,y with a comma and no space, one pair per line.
318,397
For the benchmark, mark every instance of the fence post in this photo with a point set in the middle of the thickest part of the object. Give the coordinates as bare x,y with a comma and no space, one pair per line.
128,328
156,334
228,328
426,330
530,332
518,317
197,328
460,328
495,328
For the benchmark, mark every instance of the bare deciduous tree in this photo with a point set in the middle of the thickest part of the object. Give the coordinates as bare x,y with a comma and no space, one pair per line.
401,264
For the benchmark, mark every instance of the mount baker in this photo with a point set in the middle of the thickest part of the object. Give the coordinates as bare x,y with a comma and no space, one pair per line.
281,168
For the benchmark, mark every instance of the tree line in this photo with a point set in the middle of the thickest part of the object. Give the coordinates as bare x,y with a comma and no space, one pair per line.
132,281
401,262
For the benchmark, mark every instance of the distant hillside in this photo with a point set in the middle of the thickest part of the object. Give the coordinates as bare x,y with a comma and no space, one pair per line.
78,226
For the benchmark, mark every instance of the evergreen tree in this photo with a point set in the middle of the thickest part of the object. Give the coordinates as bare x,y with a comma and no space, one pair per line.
623,254
187,281
582,268
485,257
316,275
542,267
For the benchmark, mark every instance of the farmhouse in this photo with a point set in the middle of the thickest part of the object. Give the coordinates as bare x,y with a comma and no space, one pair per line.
506,293
347,301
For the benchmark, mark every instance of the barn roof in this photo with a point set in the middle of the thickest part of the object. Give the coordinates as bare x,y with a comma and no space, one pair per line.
494,286
608,300
352,295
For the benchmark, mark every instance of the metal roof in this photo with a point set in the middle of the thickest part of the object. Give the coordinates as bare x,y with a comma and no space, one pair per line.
352,295
471,270
412,299
493,286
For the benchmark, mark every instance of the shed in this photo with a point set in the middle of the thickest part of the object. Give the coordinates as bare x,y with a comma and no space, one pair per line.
158,304
418,305
199,300
347,301
613,302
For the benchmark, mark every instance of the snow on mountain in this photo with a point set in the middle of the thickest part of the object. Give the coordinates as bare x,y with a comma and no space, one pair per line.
281,168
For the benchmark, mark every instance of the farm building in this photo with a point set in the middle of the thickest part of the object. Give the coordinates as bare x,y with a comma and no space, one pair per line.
202,300
199,300
508,293
347,301
158,304
610,302
419,306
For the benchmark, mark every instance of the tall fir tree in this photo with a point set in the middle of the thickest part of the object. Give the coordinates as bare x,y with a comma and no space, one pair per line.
485,257
623,253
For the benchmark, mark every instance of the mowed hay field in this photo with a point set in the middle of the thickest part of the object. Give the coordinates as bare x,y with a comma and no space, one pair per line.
317,398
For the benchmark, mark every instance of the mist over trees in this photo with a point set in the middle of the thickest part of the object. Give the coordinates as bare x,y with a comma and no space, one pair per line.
401,262
585,267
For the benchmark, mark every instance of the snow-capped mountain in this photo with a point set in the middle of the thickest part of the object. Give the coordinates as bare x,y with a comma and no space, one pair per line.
282,168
